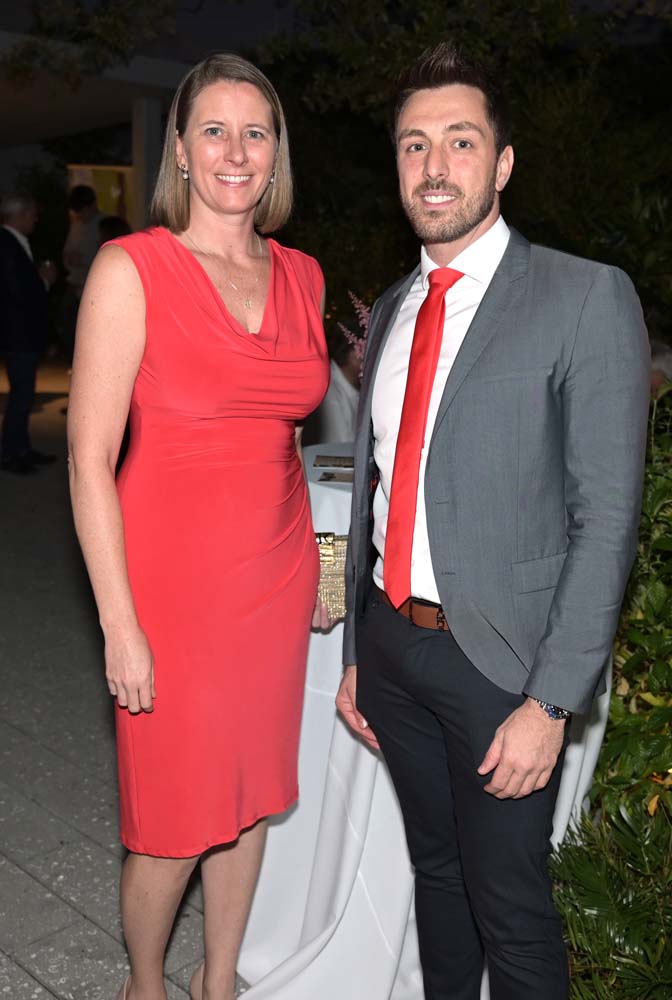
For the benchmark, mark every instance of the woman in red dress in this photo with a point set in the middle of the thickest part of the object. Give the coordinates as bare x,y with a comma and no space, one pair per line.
202,555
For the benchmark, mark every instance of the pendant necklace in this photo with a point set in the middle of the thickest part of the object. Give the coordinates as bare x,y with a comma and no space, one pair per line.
247,302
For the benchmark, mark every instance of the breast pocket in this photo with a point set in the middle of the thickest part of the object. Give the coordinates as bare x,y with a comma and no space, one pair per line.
488,417
525,375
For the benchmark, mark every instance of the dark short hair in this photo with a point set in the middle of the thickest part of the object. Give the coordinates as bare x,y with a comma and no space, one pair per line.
446,64
112,227
81,196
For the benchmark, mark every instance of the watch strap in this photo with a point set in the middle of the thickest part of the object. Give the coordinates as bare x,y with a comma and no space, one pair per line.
553,711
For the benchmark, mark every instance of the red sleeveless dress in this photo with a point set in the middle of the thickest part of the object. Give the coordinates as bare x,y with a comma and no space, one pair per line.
220,548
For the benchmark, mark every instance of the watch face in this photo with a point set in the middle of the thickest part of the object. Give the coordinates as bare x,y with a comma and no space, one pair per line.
553,712
557,713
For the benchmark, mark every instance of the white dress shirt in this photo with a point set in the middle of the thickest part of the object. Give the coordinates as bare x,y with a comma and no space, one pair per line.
478,262
338,410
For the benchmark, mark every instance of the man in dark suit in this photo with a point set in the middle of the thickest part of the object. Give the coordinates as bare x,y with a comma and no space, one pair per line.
499,456
23,328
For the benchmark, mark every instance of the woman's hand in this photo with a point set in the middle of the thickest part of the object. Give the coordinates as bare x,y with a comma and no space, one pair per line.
129,668
321,617
109,348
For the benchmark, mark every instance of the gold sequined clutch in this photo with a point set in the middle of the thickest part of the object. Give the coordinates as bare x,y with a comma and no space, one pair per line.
332,549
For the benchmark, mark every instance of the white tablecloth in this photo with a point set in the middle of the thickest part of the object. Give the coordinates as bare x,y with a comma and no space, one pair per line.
332,917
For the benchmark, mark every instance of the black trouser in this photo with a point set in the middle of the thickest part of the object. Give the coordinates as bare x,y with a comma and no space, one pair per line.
21,372
482,884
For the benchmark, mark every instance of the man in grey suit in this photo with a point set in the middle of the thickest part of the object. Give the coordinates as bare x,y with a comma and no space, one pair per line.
498,469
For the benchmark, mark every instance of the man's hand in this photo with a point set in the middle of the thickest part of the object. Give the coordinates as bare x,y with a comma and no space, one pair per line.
523,752
48,272
346,703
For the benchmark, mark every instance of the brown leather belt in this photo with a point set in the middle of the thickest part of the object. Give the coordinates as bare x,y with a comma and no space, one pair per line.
421,613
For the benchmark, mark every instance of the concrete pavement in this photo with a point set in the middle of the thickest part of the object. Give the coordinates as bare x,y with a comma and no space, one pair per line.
60,856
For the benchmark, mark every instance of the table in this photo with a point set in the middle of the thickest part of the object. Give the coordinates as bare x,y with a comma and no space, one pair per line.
332,917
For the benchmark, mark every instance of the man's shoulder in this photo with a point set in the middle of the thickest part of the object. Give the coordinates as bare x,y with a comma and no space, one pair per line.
14,258
561,258
572,269
9,242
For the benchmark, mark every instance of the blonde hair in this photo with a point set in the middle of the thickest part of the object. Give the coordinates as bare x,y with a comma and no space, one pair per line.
170,204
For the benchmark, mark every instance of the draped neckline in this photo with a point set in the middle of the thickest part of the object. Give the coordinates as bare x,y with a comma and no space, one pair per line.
267,330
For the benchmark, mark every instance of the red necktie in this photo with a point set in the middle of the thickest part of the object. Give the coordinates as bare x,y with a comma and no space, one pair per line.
424,358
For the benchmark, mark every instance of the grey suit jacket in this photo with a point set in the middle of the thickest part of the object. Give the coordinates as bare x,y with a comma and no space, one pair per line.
534,472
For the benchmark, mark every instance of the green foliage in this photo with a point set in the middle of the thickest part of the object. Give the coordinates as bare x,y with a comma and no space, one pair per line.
347,212
638,237
614,875
592,149
635,767
614,889
72,39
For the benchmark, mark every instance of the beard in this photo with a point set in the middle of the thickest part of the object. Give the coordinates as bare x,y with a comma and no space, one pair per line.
461,216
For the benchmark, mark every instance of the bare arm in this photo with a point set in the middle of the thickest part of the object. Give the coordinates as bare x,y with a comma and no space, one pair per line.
109,348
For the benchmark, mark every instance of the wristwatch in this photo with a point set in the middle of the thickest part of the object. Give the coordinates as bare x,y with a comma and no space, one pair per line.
552,711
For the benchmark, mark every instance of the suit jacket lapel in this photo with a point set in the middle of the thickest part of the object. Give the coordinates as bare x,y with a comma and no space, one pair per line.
384,321
500,297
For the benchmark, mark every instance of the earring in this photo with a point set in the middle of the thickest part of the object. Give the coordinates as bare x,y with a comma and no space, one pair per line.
185,172
272,178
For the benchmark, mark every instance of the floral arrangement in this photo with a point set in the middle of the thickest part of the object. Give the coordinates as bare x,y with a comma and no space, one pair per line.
358,340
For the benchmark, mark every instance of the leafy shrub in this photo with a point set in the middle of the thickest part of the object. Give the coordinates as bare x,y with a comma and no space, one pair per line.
615,880
613,875
635,766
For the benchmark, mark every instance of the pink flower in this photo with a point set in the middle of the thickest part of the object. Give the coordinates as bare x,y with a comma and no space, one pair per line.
358,341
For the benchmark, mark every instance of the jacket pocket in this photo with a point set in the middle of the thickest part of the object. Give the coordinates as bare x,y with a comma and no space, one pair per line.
530,374
538,574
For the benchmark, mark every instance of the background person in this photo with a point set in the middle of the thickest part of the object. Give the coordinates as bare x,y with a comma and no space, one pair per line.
79,250
498,474
334,419
23,328
202,557
111,227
